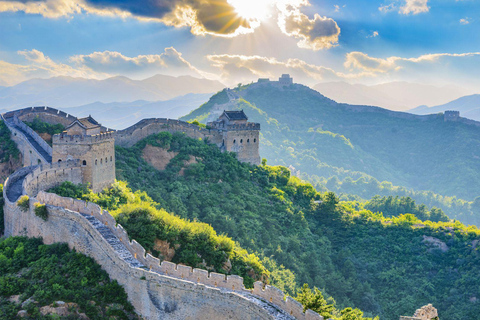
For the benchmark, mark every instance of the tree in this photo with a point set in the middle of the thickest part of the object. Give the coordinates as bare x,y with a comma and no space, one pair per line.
315,301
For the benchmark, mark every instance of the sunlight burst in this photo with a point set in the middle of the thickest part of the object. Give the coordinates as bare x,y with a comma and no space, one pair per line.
252,9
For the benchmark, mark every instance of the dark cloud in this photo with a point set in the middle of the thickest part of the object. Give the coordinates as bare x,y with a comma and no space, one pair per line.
212,16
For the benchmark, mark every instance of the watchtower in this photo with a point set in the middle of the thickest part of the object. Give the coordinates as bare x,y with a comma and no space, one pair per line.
238,135
451,115
285,80
83,139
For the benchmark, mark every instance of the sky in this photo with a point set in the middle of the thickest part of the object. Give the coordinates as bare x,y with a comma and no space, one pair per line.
237,41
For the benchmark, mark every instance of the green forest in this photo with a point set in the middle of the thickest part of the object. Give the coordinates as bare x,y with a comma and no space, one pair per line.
324,139
41,275
386,264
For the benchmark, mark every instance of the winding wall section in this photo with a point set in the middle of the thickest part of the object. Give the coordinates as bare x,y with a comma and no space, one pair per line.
157,290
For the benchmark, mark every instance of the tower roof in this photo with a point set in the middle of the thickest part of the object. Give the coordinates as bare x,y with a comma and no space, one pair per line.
235,115
86,123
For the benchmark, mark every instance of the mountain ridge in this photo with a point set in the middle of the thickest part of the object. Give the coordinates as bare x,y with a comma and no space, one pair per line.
64,92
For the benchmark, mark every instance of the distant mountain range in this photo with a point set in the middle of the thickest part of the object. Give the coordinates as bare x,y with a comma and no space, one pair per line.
119,115
398,96
65,92
320,137
469,107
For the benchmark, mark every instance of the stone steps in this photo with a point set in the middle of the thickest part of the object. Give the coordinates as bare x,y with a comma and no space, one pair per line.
119,247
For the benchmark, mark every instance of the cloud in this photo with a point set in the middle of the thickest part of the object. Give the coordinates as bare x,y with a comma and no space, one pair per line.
38,66
408,7
439,68
56,8
208,16
98,65
415,7
170,62
317,33
465,21
241,68
214,17
373,35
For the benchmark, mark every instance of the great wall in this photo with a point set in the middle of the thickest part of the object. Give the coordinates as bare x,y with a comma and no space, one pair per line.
157,290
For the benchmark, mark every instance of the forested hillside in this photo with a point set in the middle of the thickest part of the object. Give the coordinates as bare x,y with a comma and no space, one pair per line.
322,138
40,281
384,266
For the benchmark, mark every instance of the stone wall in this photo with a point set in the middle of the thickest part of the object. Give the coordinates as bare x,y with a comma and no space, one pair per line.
30,155
146,127
159,291
33,134
46,114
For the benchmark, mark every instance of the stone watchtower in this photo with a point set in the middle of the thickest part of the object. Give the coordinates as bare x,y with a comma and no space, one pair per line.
239,135
451,115
83,139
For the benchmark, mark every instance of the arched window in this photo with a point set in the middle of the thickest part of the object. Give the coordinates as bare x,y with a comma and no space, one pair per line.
254,140
241,140
95,161
101,161
59,160
111,158
248,140
106,159
234,141
84,162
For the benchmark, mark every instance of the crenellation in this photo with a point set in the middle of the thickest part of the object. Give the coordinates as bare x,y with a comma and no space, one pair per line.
217,280
294,308
168,267
312,315
235,282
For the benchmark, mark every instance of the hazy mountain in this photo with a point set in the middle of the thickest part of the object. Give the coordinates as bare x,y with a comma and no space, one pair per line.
318,136
119,115
399,96
469,107
64,92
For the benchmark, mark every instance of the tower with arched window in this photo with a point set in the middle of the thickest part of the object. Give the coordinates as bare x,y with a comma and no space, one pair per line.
239,135
87,141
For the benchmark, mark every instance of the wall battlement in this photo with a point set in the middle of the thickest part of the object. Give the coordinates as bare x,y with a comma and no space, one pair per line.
206,289
76,139
46,114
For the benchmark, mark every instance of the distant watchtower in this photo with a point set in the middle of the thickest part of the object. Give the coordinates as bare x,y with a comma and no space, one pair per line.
285,80
239,135
83,139
450,115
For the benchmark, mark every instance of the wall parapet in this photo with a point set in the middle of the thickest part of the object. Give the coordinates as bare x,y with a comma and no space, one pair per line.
75,139
145,122
33,134
39,109
178,271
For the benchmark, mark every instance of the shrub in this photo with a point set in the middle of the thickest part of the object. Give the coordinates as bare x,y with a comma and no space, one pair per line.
41,211
23,203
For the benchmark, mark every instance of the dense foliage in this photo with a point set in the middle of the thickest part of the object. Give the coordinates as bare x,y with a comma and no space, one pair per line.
40,126
2,217
394,206
8,148
316,135
49,273
384,266
467,212
193,243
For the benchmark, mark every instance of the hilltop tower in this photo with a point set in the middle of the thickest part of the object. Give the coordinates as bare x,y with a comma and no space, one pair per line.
285,80
83,139
238,135
451,115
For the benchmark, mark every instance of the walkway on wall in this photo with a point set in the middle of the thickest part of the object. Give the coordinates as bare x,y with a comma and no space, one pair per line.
33,142
15,189
114,242
122,251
